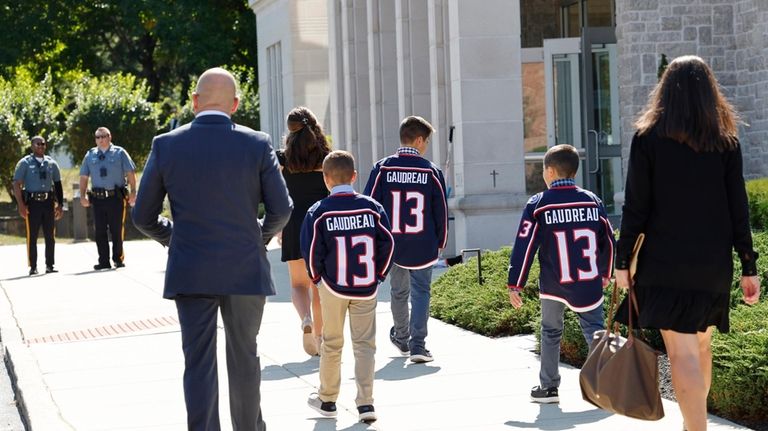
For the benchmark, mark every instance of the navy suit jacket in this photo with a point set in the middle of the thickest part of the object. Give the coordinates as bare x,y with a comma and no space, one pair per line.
215,173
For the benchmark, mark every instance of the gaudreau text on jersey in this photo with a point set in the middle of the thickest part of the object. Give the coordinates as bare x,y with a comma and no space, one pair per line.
350,222
571,215
407,177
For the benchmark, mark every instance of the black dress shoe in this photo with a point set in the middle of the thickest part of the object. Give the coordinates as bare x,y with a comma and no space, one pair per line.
119,265
49,269
32,271
102,266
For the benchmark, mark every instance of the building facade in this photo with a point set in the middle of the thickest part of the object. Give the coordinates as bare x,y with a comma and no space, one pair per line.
501,81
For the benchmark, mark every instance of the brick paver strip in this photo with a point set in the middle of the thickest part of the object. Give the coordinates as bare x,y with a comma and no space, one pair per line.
106,330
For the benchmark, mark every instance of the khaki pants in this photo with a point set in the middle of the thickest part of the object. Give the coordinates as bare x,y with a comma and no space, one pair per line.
362,325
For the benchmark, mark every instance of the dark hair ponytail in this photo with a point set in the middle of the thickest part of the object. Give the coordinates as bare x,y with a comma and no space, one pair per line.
305,145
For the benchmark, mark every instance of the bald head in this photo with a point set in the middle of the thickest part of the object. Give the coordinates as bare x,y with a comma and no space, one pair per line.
217,90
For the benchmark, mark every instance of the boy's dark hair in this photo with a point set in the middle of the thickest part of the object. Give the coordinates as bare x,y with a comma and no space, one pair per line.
339,166
413,127
564,159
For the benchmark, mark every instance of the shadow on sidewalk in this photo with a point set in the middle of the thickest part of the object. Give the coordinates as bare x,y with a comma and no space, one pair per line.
551,417
290,370
397,369
328,424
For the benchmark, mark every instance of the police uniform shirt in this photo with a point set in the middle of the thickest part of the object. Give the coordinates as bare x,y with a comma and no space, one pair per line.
28,170
113,163
569,227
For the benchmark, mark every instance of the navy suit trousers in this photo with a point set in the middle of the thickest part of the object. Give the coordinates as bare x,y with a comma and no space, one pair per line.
242,318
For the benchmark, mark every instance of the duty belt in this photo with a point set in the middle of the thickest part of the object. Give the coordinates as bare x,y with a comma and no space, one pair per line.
38,196
102,193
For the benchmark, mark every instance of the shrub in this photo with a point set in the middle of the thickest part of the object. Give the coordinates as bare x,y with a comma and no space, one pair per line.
757,192
740,366
27,108
457,297
118,102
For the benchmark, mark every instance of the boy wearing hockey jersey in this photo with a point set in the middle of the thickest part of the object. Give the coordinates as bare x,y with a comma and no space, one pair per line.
412,191
347,244
569,227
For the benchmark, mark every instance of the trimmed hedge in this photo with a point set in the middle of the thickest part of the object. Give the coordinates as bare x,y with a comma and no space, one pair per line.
757,191
740,364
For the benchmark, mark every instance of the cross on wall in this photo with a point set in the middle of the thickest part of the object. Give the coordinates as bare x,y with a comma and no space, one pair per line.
493,174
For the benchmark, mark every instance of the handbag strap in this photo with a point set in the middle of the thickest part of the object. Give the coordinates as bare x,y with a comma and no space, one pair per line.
612,309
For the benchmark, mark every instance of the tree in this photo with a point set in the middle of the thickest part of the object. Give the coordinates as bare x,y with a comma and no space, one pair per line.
118,102
11,141
247,113
163,42
27,108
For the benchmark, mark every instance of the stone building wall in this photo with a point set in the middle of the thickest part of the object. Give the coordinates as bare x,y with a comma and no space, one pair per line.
731,35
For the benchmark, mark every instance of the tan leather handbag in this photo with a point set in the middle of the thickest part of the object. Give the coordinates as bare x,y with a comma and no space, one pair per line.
620,374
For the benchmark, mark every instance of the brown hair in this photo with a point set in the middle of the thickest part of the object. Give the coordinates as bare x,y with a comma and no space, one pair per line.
339,167
688,106
414,127
305,145
564,159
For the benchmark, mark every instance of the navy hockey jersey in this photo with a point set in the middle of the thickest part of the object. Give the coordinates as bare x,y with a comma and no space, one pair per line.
412,191
569,227
345,241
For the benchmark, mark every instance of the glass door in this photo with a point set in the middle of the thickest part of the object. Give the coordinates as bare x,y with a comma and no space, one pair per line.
584,112
601,120
562,74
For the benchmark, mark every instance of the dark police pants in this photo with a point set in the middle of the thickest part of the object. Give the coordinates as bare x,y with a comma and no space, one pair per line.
40,214
242,318
109,213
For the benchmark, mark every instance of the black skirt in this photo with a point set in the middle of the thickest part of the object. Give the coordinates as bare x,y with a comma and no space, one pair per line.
681,310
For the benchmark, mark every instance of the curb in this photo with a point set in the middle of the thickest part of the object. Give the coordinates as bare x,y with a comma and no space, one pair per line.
38,409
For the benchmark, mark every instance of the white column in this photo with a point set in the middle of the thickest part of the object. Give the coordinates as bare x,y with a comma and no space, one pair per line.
413,58
486,94
383,77
440,99
336,76
440,94
357,106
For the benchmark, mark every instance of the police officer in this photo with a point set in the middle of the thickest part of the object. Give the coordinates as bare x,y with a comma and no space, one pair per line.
40,202
108,166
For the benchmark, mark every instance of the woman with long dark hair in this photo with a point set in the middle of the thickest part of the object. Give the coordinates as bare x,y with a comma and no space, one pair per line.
685,190
301,162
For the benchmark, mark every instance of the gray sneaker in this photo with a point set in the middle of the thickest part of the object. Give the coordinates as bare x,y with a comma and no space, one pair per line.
401,347
327,409
420,356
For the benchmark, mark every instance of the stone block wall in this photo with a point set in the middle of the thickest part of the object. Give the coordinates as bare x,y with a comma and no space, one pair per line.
731,35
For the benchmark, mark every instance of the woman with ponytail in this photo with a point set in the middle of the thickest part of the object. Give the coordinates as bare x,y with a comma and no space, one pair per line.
301,163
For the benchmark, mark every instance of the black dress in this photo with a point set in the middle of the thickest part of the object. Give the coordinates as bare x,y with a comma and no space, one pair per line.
693,210
305,189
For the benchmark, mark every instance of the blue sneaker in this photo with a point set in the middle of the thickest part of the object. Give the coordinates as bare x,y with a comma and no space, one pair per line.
420,356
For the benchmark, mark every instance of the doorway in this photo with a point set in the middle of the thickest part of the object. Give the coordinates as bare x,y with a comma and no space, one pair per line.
582,99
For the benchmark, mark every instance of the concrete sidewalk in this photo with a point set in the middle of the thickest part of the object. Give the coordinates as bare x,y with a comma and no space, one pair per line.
102,351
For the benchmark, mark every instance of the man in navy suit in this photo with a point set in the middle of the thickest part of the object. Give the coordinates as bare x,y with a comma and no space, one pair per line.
216,173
